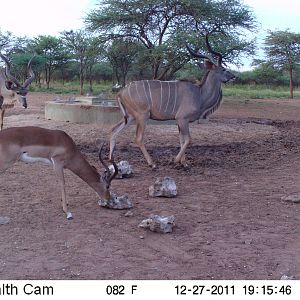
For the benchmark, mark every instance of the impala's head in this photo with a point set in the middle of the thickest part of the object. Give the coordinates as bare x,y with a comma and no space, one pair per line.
107,176
12,84
213,65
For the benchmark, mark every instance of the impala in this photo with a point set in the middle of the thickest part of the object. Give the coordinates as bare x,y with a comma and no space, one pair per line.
182,101
55,148
11,89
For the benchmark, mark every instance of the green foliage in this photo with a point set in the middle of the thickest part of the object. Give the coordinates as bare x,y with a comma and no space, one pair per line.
85,49
5,39
72,87
283,49
263,74
49,49
122,55
242,92
251,91
162,27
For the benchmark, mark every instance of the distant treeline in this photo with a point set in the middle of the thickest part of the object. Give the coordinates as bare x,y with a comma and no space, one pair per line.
132,40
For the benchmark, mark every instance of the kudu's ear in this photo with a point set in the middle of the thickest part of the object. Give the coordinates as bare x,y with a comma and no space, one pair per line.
208,65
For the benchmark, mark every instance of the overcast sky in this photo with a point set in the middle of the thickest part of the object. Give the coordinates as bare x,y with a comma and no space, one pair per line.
273,15
50,17
43,17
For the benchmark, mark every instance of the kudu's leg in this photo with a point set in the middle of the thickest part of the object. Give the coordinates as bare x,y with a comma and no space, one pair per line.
140,129
115,131
185,138
181,139
60,174
1,118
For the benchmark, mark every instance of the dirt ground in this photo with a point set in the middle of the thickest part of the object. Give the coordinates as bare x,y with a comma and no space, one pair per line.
231,221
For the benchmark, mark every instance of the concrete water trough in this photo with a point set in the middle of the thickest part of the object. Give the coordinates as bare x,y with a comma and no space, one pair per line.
88,109
84,110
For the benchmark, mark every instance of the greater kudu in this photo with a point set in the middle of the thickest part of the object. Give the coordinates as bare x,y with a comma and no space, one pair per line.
11,89
182,101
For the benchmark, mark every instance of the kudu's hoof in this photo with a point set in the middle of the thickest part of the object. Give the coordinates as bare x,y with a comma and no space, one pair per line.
181,165
153,167
69,216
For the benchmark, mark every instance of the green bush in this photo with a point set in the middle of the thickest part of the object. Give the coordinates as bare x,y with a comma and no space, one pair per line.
258,91
238,91
72,87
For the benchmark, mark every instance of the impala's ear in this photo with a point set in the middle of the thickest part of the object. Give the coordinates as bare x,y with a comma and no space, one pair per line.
98,143
95,168
208,64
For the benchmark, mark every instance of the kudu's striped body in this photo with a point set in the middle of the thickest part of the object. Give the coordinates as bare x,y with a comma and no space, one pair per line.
182,101
11,89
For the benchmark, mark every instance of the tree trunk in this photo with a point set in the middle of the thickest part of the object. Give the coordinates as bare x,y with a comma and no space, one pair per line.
81,78
39,80
90,80
63,76
291,84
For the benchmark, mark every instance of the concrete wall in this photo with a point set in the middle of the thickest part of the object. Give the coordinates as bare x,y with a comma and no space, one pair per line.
75,112
82,113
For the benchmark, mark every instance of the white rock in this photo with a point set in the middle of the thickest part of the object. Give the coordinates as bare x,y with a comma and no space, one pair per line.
4,220
115,202
124,169
292,198
162,224
165,187
128,214
287,277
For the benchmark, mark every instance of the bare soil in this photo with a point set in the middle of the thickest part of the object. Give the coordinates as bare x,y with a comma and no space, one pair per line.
231,221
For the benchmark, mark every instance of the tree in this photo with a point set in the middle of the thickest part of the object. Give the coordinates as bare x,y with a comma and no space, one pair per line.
283,52
162,27
122,54
94,53
49,48
5,39
83,48
63,60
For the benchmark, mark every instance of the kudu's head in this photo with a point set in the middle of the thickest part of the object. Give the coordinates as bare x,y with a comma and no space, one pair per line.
107,176
12,84
211,65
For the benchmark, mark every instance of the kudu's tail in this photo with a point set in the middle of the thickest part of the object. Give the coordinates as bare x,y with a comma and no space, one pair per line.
123,109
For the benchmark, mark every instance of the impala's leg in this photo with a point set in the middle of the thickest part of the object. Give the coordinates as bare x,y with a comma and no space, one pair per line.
4,165
140,129
60,173
8,156
115,131
185,139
